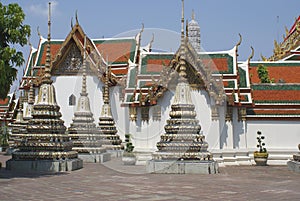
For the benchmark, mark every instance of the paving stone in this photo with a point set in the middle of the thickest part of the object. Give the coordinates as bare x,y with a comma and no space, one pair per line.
112,181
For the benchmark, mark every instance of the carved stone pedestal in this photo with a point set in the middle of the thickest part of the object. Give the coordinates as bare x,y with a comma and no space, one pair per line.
95,158
182,167
46,166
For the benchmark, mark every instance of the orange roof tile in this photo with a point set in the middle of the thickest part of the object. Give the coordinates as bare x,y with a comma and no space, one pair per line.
276,111
276,95
156,65
54,48
115,52
221,64
119,71
290,74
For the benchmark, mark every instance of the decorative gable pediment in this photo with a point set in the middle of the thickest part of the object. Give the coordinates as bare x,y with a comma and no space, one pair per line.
71,62
68,60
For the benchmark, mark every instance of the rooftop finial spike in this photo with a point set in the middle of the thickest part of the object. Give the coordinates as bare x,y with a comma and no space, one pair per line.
193,14
76,17
47,74
38,31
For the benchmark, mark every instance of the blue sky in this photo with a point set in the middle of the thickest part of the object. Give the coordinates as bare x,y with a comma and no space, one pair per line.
259,22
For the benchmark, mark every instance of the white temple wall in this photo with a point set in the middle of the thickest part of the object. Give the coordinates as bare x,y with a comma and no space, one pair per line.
220,135
147,133
239,131
282,135
65,86
119,112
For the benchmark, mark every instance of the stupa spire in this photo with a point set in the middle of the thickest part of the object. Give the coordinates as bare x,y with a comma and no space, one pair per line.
111,139
182,20
106,88
31,90
83,131
182,138
193,14
47,74
182,62
83,87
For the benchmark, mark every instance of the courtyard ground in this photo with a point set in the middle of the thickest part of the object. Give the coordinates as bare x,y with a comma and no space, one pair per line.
109,181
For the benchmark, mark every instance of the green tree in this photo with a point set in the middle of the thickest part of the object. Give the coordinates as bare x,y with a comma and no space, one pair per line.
12,31
263,74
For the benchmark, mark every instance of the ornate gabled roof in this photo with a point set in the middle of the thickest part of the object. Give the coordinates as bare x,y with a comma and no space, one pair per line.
69,57
145,77
280,99
290,42
156,72
150,77
281,71
117,50
275,101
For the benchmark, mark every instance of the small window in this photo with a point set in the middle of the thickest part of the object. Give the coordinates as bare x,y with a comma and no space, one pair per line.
72,100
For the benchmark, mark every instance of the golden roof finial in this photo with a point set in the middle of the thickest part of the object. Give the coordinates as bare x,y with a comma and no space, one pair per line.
263,57
251,55
286,31
240,41
76,18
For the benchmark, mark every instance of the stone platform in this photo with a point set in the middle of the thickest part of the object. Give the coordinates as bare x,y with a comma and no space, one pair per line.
44,165
182,167
115,153
95,158
294,166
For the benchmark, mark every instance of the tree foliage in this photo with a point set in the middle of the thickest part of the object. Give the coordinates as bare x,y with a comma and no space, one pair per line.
12,32
263,74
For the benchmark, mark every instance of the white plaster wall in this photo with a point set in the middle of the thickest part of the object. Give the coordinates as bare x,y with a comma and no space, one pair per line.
278,134
239,131
119,112
67,85
147,134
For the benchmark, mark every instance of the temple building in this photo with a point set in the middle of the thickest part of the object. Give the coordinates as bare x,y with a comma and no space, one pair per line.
229,97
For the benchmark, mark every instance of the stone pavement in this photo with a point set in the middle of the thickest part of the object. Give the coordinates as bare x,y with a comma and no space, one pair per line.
109,181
